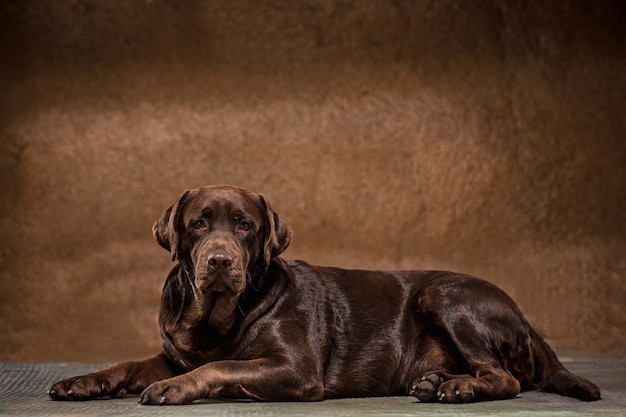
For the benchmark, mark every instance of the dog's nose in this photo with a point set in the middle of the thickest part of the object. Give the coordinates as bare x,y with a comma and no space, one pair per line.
220,260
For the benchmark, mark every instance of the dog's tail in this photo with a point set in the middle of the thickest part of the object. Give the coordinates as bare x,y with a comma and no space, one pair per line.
555,378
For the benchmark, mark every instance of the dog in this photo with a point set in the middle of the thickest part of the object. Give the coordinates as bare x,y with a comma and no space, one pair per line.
238,321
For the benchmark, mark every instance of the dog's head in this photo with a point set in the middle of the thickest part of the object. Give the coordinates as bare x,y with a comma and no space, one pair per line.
224,238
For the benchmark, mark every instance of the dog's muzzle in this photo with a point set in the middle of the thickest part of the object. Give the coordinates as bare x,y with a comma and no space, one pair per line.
220,266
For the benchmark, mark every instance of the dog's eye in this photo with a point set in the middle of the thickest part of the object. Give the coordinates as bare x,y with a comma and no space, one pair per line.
199,224
245,226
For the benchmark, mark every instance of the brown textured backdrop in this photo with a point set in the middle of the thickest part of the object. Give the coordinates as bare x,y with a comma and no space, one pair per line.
485,137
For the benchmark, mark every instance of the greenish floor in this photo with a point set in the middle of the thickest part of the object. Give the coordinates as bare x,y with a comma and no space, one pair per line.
23,393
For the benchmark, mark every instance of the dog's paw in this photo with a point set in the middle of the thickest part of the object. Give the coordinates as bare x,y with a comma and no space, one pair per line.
455,391
173,391
443,388
425,388
81,388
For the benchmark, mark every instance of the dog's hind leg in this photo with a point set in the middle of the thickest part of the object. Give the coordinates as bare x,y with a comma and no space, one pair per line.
485,331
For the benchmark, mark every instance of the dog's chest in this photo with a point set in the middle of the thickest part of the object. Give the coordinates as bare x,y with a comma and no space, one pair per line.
190,348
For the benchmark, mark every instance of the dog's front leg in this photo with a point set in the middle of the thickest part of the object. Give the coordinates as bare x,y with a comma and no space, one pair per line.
260,379
116,381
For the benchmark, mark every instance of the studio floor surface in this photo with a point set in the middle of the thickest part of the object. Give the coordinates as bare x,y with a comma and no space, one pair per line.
23,393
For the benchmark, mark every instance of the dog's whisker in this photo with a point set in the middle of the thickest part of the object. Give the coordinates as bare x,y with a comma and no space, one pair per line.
249,279
195,293
190,282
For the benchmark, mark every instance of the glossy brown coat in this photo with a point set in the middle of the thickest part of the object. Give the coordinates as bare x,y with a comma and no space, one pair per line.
238,321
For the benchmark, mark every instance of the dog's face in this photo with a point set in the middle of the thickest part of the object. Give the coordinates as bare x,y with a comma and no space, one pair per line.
224,237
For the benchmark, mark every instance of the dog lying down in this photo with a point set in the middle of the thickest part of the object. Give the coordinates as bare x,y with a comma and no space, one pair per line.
238,321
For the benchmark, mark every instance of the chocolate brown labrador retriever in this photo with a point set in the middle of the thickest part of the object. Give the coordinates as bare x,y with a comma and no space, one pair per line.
238,321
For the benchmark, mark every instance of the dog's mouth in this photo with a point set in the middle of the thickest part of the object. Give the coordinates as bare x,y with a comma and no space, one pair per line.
215,300
209,286
228,282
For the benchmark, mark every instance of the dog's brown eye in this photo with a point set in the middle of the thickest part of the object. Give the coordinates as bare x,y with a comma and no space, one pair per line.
245,226
199,224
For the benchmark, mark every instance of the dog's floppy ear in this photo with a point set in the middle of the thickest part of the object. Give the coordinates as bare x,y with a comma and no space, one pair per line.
165,230
277,233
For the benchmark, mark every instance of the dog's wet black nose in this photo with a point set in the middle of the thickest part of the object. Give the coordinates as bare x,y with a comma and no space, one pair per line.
219,260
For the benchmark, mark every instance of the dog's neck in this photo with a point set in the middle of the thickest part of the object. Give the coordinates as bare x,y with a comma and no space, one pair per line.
196,329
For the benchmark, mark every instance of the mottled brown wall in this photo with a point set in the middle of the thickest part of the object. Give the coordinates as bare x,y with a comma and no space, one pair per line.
485,137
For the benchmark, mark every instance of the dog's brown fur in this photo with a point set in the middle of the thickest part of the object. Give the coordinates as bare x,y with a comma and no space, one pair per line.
238,321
